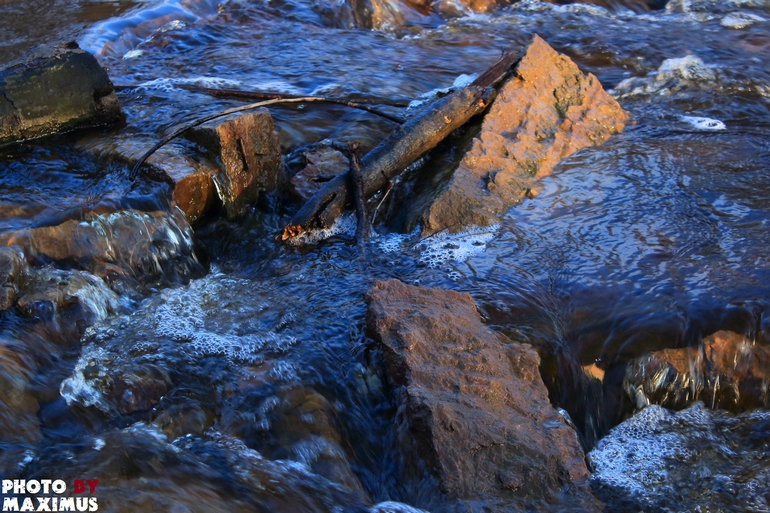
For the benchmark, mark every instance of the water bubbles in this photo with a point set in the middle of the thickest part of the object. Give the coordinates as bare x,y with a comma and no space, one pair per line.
458,247
344,225
739,20
706,124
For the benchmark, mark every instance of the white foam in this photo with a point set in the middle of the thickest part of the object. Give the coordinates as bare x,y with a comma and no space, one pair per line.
394,507
457,247
427,98
169,84
707,124
79,389
739,20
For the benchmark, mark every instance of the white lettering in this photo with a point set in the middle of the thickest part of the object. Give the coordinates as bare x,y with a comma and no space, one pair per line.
18,487
46,485
42,504
66,504
10,503
59,486
94,505
33,486
7,485
82,503
27,506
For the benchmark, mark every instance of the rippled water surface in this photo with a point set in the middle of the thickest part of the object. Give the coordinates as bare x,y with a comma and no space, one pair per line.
644,243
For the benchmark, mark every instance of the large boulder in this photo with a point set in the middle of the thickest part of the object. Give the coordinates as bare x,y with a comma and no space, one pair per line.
250,153
476,405
55,90
546,111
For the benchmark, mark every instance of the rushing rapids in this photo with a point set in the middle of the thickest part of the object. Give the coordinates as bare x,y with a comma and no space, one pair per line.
220,370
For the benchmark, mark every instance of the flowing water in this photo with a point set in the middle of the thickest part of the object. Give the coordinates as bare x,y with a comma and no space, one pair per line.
646,242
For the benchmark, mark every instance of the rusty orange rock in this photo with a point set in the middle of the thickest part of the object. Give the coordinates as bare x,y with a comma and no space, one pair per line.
546,111
727,371
476,405
250,154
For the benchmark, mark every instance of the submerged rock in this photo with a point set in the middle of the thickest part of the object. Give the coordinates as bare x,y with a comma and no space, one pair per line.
55,90
250,154
13,268
693,460
475,404
727,371
322,165
149,245
18,406
546,111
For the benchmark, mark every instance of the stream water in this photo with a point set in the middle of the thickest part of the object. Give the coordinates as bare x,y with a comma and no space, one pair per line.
643,243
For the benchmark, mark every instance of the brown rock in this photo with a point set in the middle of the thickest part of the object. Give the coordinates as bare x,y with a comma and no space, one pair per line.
546,111
250,153
322,165
190,175
476,405
18,407
142,242
55,90
13,267
727,372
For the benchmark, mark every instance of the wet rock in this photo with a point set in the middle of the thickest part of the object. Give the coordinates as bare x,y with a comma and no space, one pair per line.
46,293
178,164
184,419
322,165
55,90
727,371
147,244
475,403
18,406
546,111
250,155
296,424
693,460
13,267
140,471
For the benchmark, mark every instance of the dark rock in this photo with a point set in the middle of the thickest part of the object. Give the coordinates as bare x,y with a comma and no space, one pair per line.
546,111
476,405
727,371
55,90
322,165
250,154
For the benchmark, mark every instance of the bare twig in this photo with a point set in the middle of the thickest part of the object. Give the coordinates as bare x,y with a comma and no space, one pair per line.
304,99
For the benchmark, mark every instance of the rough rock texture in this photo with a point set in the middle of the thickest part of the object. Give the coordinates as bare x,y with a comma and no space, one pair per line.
546,111
251,157
322,165
55,90
728,372
476,405
190,175
147,244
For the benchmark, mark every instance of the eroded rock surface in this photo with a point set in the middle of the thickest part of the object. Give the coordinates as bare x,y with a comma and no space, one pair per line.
250,154
322,165
546,111
55,90
476,405
727,371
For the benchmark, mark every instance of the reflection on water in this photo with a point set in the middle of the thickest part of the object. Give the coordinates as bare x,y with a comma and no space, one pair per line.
261,371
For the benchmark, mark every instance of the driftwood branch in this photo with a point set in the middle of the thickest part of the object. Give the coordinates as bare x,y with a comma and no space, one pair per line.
402,147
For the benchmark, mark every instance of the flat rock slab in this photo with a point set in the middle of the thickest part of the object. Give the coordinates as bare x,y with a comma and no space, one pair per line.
546,111
250,154
322,165
476,405
55,90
